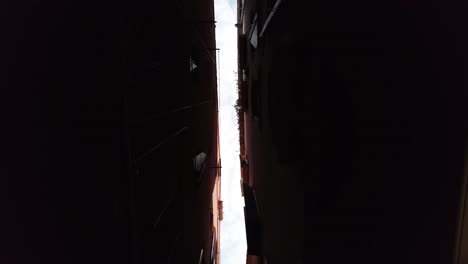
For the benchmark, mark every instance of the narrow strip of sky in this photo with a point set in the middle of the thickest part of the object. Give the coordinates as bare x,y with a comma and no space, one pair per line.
233,238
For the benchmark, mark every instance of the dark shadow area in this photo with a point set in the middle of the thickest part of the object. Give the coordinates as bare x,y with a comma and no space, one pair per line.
104,116
361,113
353,129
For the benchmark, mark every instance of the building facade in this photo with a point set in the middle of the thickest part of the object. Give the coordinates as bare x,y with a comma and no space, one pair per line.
120,110
355,107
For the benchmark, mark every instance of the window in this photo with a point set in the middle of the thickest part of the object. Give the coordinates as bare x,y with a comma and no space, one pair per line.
254,33
201,260
193,66
199,161
194,63
242,50
220,210
256,100
212,253
199,165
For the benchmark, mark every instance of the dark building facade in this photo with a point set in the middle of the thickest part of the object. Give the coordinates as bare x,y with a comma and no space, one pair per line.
358,108
114,108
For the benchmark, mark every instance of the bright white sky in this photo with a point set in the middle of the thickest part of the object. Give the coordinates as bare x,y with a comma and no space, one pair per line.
233,240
